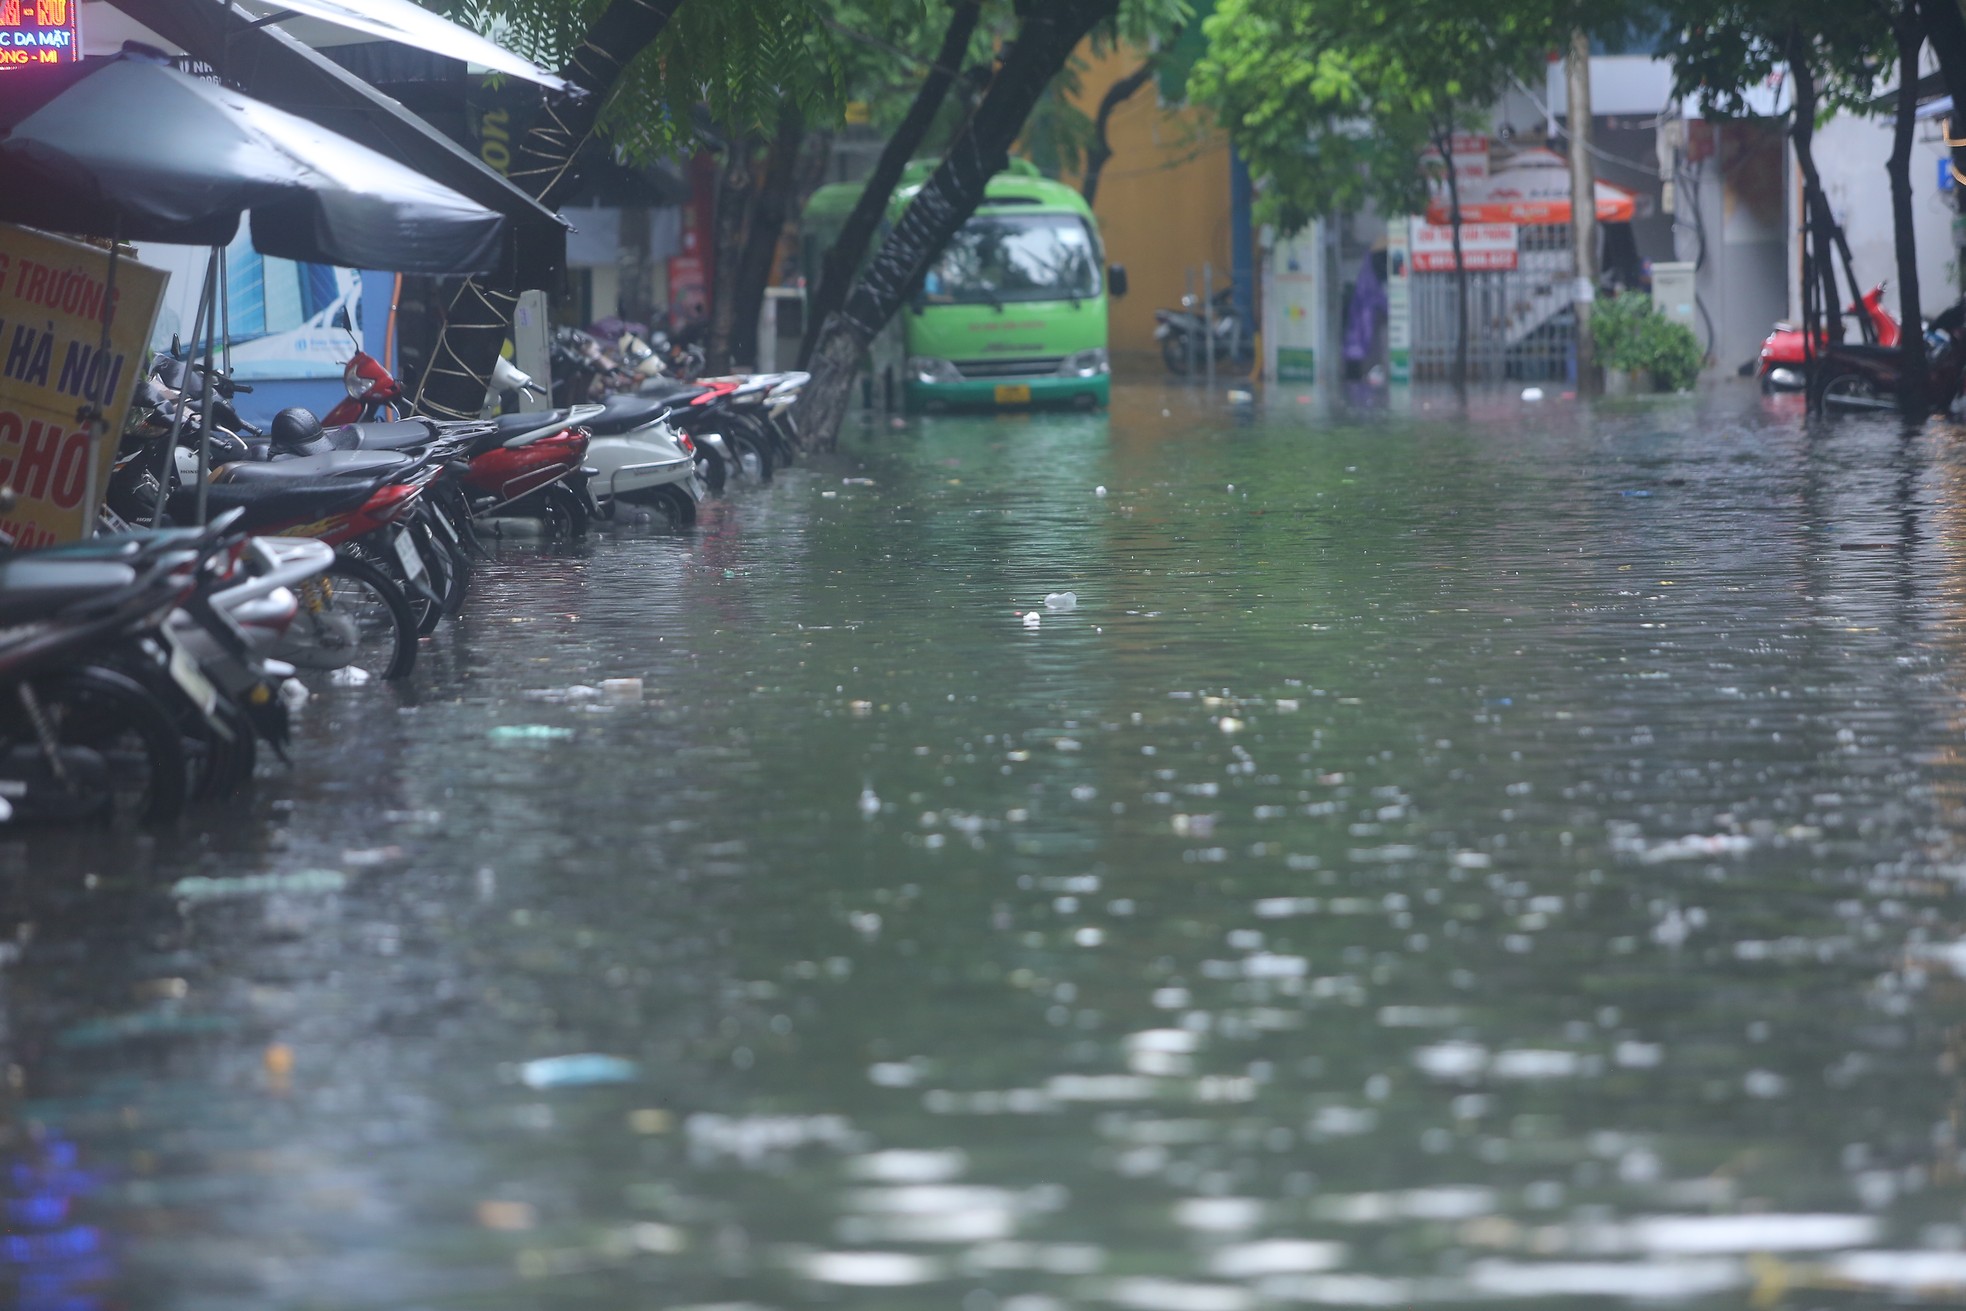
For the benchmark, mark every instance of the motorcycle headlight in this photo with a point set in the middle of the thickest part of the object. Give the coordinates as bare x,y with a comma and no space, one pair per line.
1084,364
354,383
927,368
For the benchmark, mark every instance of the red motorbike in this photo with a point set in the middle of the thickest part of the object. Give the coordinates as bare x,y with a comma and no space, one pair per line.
1784,359
531,453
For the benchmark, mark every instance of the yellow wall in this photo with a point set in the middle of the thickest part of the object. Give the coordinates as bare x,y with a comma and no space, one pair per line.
1163,201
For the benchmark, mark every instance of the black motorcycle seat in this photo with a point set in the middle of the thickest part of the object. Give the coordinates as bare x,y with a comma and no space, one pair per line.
511,425
396,436
31,589
335,464
622,414
269,503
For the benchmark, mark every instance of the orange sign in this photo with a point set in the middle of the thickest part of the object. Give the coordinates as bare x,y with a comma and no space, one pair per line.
53,368
34,32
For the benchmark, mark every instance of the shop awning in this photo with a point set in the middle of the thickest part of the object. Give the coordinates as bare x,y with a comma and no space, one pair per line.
1530,186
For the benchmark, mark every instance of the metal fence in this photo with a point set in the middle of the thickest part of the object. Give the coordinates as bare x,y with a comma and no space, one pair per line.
1520,325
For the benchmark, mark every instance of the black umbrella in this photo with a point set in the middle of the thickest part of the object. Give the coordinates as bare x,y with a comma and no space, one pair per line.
136,149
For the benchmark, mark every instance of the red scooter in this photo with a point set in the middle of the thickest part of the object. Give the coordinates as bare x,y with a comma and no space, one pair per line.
532,454
1784,359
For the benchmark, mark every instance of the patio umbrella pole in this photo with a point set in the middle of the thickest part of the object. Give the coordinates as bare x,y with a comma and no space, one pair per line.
214,279
93,411
164,465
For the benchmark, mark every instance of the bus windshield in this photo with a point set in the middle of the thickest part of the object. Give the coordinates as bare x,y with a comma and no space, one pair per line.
1011,257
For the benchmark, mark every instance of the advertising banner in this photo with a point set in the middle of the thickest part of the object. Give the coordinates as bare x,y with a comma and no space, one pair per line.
281,319
1399,301
1484,247
36,33
1295,287
52,367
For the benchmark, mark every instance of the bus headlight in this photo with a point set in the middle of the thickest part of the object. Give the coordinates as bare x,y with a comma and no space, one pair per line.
927,368
1084,364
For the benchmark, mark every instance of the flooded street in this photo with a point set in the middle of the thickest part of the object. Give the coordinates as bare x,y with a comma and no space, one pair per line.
1436,859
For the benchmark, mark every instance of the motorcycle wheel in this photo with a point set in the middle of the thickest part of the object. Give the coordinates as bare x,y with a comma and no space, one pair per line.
145,775
754,458
380,628
440,576
677,505
1852,391
1174,353
570,508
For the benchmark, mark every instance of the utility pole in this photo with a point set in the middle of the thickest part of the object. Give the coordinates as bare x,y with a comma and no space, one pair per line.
1583,207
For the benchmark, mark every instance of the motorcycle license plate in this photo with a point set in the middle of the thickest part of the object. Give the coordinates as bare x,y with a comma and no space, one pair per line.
188,676
407,553
1014,393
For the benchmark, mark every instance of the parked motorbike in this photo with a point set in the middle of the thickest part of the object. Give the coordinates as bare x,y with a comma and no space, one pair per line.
128,684
1183,335
1784,354
1858,376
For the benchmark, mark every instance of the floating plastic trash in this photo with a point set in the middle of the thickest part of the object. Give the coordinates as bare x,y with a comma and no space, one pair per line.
622,689
529,733
349,676
1099,490
1031,619
1532,393
582,1070
199,888
1061,601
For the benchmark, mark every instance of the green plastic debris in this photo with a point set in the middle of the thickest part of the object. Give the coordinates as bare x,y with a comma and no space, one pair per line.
530,733
252,885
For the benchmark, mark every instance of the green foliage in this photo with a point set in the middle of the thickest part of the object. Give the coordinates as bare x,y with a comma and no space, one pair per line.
1632,337
1331,101
1725,49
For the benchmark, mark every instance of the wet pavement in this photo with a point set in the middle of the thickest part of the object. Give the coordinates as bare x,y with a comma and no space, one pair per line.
1506,859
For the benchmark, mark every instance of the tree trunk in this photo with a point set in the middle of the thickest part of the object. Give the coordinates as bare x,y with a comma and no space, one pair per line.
1818,269
850,247
1101,149
1583,209
1911,343
480,313
1045,40
736,192
1444,143
769,208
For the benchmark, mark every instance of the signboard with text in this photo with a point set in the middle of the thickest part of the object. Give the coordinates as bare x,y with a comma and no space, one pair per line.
52,368
1484,247
39,32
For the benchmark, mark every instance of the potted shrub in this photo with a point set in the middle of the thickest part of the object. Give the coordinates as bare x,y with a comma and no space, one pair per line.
1641,349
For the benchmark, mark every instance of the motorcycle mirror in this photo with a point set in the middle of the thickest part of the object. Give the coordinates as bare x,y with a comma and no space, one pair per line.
9,498
1116,280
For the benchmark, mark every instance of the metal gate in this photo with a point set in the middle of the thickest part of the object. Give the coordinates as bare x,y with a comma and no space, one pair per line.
1520,325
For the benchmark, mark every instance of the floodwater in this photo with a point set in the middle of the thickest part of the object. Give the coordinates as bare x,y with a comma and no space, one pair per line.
1508,858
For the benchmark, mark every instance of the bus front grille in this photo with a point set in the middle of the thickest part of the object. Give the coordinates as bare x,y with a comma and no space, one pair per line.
1030,368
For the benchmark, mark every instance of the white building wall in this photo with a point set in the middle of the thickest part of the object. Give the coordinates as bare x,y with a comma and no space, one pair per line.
1850,155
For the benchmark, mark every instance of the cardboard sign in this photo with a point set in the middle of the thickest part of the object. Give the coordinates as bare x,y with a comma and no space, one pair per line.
1484,246
35,33
52,369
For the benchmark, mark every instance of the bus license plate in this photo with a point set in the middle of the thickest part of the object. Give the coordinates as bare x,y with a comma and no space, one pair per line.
407,553
1014,393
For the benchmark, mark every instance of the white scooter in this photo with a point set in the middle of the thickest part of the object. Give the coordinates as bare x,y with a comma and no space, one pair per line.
633,456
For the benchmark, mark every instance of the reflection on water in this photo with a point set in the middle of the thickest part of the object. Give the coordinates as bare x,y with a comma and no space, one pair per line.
1500,858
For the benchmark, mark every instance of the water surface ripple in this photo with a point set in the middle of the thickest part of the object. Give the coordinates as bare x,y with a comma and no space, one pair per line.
1506,857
